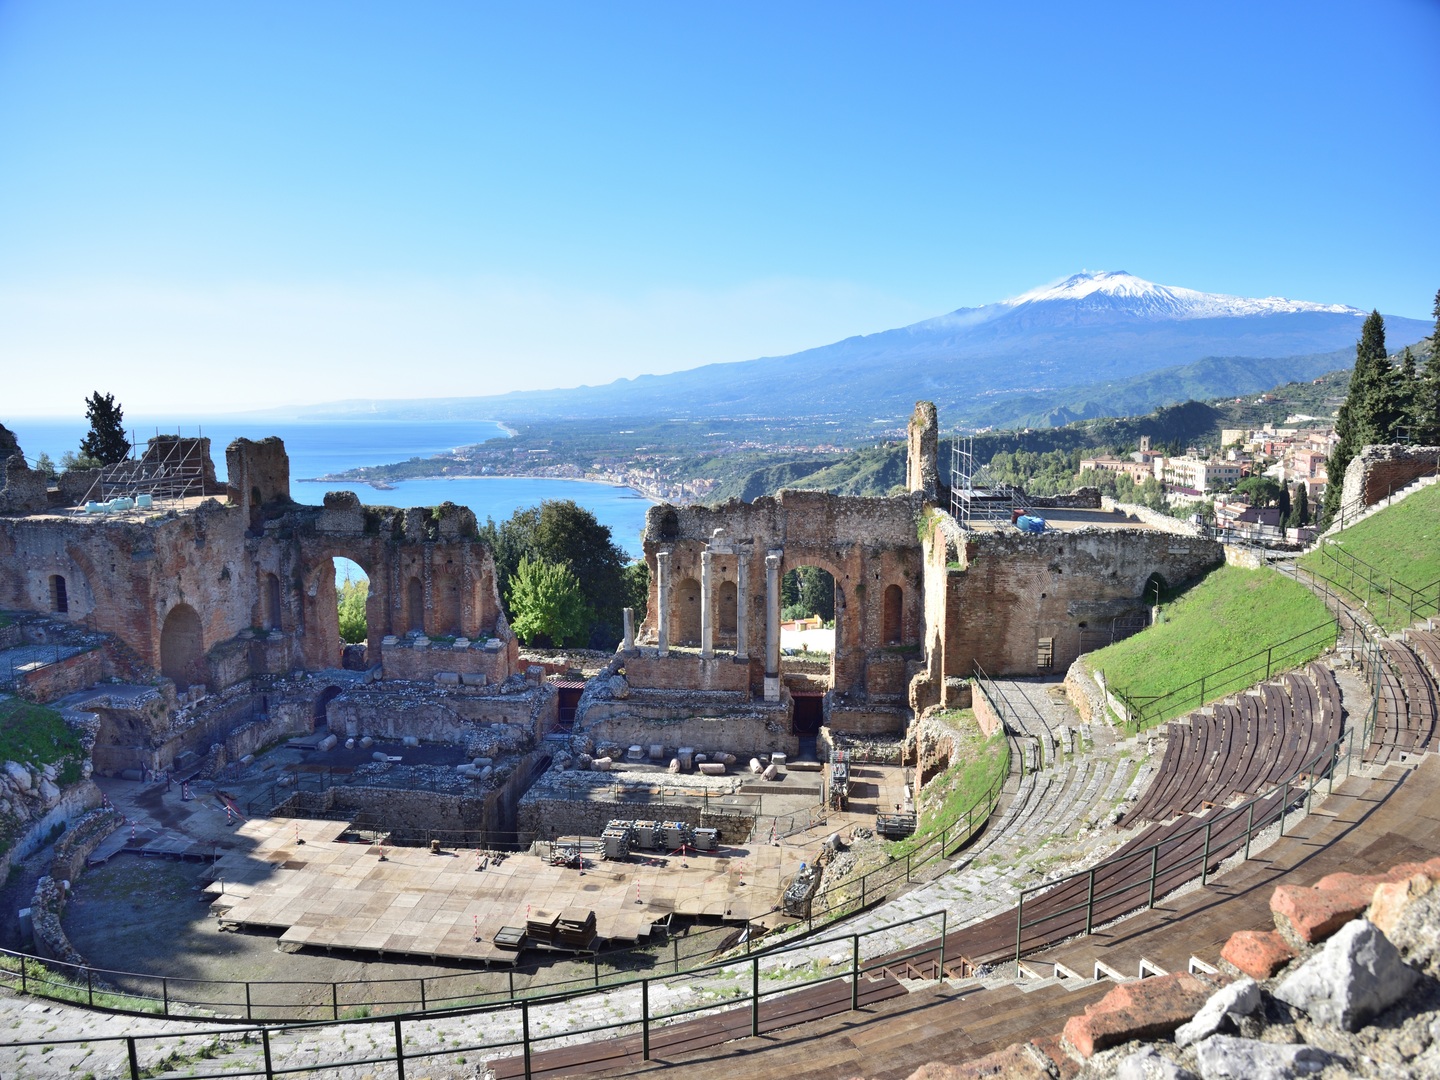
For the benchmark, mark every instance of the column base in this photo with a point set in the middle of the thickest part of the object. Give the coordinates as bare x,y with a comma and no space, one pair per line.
772,687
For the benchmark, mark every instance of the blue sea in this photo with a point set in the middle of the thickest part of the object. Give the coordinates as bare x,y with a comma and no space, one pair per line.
326,447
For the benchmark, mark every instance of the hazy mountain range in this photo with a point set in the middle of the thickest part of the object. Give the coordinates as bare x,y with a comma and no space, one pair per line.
1103,343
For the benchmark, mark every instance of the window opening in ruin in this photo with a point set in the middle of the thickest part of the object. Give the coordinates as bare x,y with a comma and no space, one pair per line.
320,715
415,606
686,614
182,647
894,615
809,599
725,610
59,595
352,590
272,602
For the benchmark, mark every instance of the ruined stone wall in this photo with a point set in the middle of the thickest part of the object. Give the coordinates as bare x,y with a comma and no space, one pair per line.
54,681
672,725
922,446
477,666
866,544
1016,588
390,712
688,671
548,819
1377,471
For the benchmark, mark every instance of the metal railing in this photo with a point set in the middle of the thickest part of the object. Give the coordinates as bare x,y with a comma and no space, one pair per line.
737,984
1153,871
1011,717
25,659
1374,589
1145,710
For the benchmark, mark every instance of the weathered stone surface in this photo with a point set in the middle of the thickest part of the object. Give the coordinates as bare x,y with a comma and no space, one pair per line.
1148,1064
1312,915
1142,1009
1226,1005
1016,1062
1257,953
1416,931
1356,975
19,776
1394,898
618,686
1224,1057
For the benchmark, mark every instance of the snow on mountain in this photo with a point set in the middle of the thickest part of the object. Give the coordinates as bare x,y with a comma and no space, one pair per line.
1119,289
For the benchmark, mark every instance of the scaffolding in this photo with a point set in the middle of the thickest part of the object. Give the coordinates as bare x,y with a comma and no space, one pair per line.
172,467
976,496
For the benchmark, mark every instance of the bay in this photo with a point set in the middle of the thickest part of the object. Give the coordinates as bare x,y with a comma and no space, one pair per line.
318,448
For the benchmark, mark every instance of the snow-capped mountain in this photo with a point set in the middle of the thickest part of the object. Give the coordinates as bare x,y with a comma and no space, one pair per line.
1041,350
1118,289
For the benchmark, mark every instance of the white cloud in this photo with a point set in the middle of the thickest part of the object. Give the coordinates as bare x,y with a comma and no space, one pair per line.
207,350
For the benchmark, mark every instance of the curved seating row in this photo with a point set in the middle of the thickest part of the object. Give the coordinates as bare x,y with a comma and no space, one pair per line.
1406,717
1261,740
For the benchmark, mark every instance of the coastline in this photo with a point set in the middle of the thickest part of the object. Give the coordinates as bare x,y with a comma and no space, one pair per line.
391,485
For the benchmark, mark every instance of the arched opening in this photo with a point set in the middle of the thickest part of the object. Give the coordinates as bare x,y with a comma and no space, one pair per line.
807,592
59,594
415,606
893,626
686,613
320,719
182,647
1155,588
352,592
725,609
272,602
808,608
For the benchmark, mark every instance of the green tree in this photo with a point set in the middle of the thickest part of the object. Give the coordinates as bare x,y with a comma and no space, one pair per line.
1407,382
1369,413
1427,390
806,591
351,598
1260,490
560,531
548,605
45,465
105,442
1299,506
637,589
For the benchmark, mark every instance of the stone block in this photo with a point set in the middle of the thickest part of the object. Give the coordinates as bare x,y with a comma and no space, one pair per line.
1144,1009
674,765
657,752
755,765
1393,898
1257,953
1223,1057
329,742
447,678
1148,1064
1017,1061
1227,1005
1357,974
712,768
686,755
635,753
473,678
602,764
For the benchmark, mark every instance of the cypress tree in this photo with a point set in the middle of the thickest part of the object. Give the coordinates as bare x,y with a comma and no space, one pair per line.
1367,416
1408,385
1427,390
1300,506
105,442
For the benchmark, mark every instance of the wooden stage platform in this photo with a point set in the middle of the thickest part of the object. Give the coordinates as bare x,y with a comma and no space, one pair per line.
328,893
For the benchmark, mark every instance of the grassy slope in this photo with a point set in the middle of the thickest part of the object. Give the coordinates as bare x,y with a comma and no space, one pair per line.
1230,615
979,763
1402,542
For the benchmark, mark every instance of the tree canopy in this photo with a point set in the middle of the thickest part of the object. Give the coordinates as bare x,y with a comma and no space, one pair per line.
1261,491
1371,409
105,442
549,604
806,591
561,532
351,601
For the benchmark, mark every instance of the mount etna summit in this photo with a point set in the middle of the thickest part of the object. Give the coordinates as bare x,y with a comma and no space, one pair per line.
1098,342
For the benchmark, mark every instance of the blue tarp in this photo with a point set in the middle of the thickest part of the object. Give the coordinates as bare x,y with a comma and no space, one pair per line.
1030,524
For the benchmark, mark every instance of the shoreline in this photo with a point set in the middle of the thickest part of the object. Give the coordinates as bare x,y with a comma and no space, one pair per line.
390,485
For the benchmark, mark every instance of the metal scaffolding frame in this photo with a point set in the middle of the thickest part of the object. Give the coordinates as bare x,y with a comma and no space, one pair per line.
172,467
975,494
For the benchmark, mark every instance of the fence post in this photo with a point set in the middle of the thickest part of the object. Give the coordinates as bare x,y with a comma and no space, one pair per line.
265,1049
941,976
754,996
1019,925
90,987
854,972
247,1000
1249,827
1090,902
1154,871
1268,653
1284,802
134,1059
24,988
334,1000
165,993
1205,857
644,1019
525,1033
423,1006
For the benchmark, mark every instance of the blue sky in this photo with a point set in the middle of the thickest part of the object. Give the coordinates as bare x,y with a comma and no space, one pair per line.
216,206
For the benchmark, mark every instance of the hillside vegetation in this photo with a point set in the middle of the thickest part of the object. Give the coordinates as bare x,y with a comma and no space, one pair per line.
1395,552
1231,615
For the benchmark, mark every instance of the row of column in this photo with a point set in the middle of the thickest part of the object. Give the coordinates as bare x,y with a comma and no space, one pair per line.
742,611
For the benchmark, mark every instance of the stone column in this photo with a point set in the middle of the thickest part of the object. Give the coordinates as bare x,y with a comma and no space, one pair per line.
662,597
742,604
629,616
707,609
772,626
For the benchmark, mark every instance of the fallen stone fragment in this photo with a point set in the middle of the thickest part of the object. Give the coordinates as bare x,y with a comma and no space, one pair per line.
1393,898
1143,1009
1149,1064
1224,1057
1356,975
1016,1062
1416,933
1239,999
1257,953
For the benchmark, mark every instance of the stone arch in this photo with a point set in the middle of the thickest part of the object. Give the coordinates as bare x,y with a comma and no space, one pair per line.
415,605
271,586
1155,587
319,604
319,717
686,611
726,607
893,615
796,558
182,647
